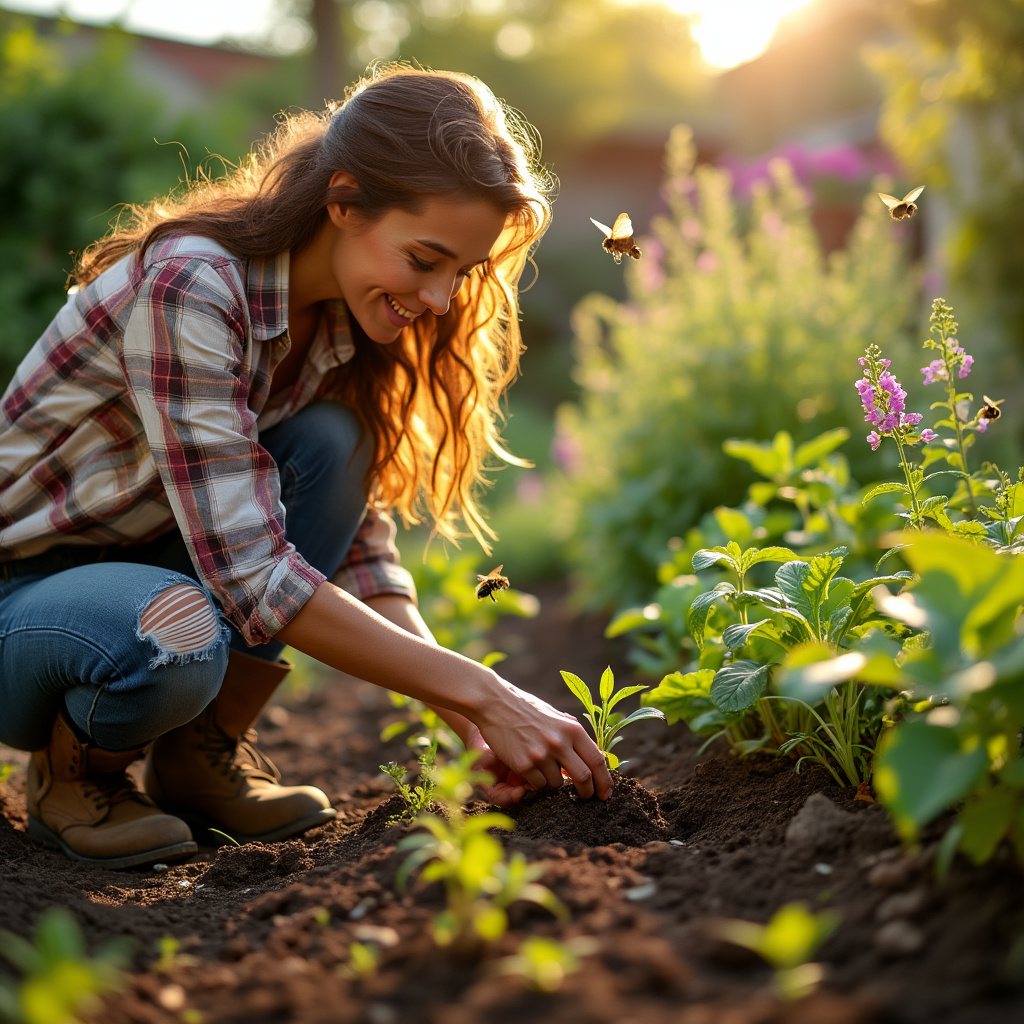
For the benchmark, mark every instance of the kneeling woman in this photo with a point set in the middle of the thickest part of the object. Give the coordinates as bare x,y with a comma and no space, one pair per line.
198,457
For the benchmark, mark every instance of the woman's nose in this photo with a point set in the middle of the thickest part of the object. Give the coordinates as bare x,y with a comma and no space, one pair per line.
438,297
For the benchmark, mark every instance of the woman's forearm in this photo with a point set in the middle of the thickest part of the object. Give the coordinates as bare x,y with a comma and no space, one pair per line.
346,634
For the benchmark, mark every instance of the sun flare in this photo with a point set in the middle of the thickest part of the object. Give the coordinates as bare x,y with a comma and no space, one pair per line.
730,32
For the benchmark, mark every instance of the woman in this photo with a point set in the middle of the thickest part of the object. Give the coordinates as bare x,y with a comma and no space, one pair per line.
197,456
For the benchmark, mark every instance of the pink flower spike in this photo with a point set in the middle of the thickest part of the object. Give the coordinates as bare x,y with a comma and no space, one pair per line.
982,424
965,367
874,440
912,418
928,435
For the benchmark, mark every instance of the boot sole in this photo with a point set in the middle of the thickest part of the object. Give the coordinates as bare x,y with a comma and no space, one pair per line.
38,831
223,837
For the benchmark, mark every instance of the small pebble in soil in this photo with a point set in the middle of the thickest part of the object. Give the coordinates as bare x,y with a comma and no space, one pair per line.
901,904
184,883
823,869
890,874
676,842
361,909
159,867
380,935
171,997
381,1013
898,938
641,892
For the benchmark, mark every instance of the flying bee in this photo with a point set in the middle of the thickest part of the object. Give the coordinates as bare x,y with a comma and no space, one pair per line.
490,583
991,410
905,207
618,239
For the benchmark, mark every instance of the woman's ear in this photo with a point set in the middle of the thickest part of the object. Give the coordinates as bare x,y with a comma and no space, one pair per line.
341,214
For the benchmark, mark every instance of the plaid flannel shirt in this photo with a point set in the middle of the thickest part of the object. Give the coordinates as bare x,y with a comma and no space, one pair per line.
140,409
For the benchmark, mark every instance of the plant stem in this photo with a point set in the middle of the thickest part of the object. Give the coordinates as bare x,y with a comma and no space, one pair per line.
916,517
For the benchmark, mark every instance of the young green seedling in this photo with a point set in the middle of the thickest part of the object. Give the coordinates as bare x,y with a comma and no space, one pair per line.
603,721
787,942
417,798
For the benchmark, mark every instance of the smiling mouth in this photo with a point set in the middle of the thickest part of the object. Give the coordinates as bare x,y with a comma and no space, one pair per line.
408,314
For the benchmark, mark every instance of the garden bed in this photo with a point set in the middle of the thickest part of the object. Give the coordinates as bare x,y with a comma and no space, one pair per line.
265,931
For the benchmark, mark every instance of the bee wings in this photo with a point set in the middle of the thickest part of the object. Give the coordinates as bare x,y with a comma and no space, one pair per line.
892,201
623,227
493,574
911,196
603,228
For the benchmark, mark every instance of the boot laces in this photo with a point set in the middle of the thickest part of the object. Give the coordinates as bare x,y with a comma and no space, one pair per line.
106,789
238,756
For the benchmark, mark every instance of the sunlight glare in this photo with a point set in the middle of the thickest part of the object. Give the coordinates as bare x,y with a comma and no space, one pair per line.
730,32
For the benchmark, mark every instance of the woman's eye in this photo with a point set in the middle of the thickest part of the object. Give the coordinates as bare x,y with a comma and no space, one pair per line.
420,265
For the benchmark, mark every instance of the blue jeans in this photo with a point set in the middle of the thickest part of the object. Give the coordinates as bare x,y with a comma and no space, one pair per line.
70,637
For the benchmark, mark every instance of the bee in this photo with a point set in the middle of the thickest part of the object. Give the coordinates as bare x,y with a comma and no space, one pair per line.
991,410
490,583
900,208
618,239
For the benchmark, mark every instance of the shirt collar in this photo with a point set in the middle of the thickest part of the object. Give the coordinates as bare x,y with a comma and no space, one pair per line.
267,294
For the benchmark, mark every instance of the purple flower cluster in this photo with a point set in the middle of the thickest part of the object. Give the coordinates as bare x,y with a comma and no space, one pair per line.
885,403
937,369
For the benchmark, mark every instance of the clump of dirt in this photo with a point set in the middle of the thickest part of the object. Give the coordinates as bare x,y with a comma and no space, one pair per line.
630,816
256,862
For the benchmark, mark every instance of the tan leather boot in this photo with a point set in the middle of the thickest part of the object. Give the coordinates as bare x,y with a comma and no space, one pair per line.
210,773
81,801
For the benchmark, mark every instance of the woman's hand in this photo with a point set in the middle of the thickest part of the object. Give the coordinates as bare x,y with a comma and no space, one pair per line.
534,742
508,788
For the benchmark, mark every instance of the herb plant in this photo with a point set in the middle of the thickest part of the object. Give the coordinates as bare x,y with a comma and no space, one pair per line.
417,798
605,722
60,979
457,850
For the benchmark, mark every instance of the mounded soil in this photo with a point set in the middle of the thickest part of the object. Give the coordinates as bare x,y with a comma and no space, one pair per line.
686,839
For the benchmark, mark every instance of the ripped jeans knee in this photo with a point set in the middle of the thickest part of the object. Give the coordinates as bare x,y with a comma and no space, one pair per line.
181,622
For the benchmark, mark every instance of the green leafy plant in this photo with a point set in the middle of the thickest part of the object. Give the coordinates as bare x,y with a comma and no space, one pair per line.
606,723
363,958
170,956
417,798
544,963
59,981
6,771
457,850
787,942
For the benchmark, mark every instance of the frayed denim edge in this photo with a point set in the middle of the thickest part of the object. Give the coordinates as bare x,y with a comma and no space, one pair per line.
163,657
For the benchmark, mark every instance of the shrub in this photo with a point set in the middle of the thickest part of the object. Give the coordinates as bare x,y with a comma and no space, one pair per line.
736,325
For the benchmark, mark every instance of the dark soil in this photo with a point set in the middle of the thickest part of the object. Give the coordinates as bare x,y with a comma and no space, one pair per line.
265,931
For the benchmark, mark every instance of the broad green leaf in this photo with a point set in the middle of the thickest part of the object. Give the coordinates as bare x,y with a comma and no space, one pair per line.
579,688
1015,501
681,695
490,922
806,584
810,671
700,609
737,686
706,557
922,770
633,618
986,822
763,457
770,554
810,453
607,684
734,525
626,691
793,934
886,488
737,634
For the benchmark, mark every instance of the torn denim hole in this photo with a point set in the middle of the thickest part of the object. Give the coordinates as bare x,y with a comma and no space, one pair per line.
181,622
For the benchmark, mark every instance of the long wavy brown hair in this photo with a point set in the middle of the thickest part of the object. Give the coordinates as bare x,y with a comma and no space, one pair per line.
431,400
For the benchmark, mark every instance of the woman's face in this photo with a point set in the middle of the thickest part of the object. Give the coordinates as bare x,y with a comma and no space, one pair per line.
394,269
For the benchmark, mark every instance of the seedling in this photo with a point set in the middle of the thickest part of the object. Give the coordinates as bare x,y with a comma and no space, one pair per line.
545,963
417,798
787,942
603,721
5,771
458,851
362,961
171,958
59,980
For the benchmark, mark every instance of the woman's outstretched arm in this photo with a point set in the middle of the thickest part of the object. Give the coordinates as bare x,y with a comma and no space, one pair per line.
528,735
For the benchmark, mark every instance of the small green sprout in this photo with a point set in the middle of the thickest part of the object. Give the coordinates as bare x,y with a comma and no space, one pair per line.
231,839
417,798
787,942
321,917
362,961
5,771
545,963
604,723
60,981
171,958
457,850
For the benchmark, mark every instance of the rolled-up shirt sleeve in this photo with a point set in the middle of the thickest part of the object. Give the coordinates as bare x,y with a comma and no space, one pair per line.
372,566
184,364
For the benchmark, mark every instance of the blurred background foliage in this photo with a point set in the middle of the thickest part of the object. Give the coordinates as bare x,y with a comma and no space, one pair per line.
768,261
